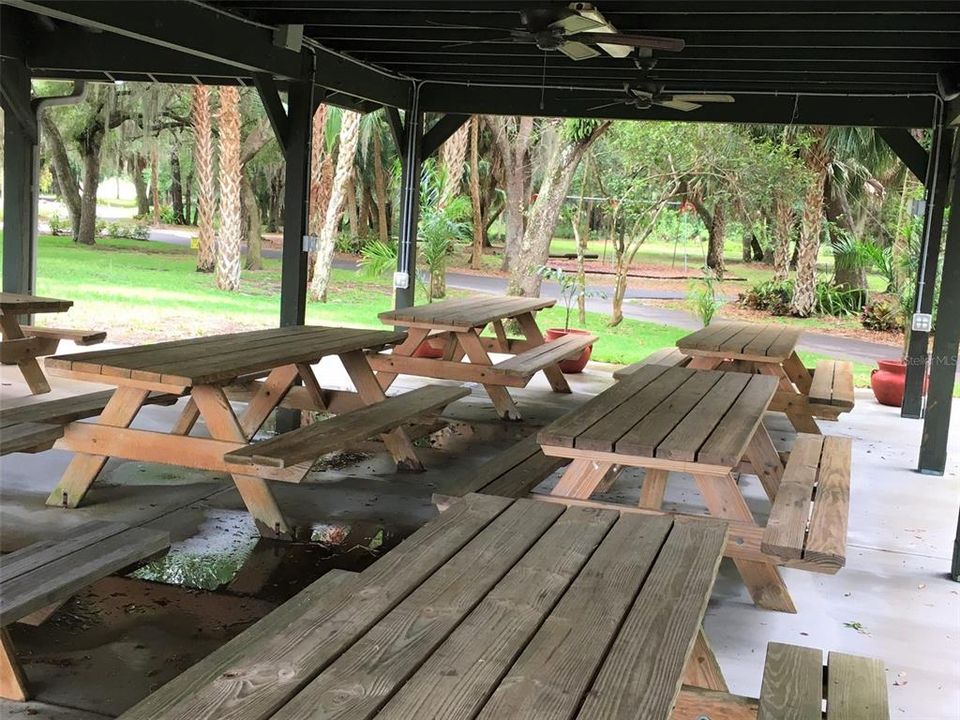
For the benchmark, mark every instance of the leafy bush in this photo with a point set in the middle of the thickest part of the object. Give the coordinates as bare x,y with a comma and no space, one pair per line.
774,297
837,301
100,228
57,225
883,313
167,216
140,231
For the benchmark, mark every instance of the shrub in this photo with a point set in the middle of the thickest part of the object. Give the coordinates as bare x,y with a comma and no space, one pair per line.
702,297
883,313
140,231
774,297
838,301
57,225
167,216
100,228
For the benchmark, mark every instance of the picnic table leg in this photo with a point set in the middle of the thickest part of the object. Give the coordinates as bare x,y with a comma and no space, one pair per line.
765,461
13,683
798,373
698,362
32,373
255,492
702,669
473,347
415,338
531,331
370,392
763,580
581,478
653,488
801,420
188,418
267,398
83,469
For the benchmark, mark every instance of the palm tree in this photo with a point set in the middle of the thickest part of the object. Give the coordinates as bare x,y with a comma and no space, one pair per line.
349,140
203,164
231,209
453,155
816,158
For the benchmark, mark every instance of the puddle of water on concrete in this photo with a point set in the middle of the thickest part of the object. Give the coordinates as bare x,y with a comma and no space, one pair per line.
227,554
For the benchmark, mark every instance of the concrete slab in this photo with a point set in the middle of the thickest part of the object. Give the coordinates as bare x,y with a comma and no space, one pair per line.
114,643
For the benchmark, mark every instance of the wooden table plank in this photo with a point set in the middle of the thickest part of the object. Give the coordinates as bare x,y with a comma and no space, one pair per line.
32,557
764,339
706,338
685,440
605,433
729,440
19,304
465,314
252,681
792,683
856,688
643,671
564,431
827,540
644,437
365,676
550,678
459,677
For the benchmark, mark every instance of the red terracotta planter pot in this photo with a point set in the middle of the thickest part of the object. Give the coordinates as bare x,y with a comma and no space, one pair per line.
574,365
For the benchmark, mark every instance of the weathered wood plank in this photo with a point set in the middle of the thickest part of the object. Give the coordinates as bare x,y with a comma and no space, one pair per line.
66,410
459,677
28,437
246,680
792,683
786,529
704,418
827,539
643,671
732,434
856,688
33,557
19,304
61,578
554,672
540,357
670,356
78,337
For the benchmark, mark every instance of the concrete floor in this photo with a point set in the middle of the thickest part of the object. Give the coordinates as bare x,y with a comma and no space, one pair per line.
113,644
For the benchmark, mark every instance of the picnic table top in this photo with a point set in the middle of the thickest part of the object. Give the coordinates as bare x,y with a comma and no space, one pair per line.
17,304
764,342
220,358
497,608
465,313
674,413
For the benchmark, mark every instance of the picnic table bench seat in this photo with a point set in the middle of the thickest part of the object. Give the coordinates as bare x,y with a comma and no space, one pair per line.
795,685
529,362
512,473
669,356
51,571
39,341
832,385
34,427
808,520
311,441
78,337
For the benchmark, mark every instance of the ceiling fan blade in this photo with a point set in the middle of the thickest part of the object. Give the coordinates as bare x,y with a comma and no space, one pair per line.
577,50
507,39
456,26
675,104
605,105
704,98
641,41
576,23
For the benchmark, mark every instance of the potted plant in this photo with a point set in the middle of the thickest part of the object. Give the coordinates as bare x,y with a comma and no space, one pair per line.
570,292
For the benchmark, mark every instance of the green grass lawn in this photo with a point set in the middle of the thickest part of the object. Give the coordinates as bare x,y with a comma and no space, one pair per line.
142,291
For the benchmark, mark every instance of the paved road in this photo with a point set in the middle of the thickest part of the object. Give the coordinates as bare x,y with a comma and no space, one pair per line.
829,345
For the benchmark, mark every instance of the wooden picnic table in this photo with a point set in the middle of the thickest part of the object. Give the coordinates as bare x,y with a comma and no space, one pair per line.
458,325
203,367
770,348
21,348
675,419
498,608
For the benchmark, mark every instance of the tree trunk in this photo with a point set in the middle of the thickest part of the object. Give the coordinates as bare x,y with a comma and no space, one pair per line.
155,181
476,255
91,143
453,154
66,180
206,190
513,139
718,232
188,198
349,138
231,212
350,210
816,159
138,163
557,175
783,224
176,187
251,214
380,188
746,241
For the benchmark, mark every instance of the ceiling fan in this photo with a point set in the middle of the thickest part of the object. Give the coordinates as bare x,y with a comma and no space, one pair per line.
645,98
577,30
